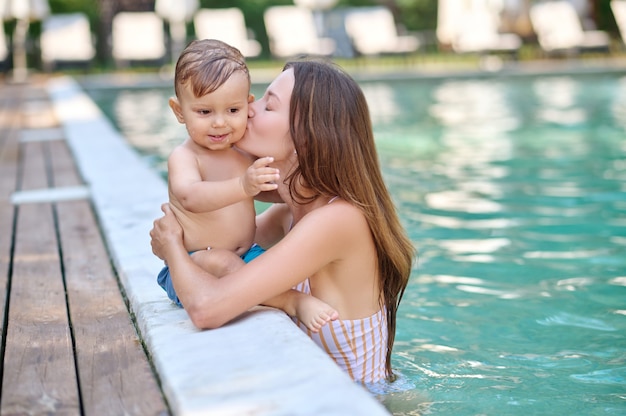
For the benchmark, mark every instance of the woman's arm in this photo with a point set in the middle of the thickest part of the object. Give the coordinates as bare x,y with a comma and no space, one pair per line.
190,281
211,302
272,225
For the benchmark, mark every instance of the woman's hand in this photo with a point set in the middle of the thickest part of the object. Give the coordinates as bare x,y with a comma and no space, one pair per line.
166,232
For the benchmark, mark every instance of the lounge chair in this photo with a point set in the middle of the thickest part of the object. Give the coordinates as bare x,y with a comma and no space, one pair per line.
177,13
66,38
373,31
559,29
619,12
227,25
479,34
138,36
473,28
292,31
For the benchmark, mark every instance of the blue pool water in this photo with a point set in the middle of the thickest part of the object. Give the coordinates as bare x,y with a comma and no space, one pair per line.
514,191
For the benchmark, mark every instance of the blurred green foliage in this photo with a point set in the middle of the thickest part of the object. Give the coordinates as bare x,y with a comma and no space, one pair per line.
414,15
90,7
411,15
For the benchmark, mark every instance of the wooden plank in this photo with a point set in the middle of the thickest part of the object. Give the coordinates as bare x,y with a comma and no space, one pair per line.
36,111
8,182
116,377
39,372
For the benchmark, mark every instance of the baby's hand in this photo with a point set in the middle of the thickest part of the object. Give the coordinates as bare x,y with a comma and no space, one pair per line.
260,177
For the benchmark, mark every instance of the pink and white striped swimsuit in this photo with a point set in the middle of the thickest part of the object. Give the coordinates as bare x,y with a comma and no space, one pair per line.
358,346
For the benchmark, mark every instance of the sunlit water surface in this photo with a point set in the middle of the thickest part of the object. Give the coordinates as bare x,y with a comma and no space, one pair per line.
514,192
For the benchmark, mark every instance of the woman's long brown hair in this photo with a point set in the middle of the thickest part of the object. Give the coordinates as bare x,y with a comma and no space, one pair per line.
333,137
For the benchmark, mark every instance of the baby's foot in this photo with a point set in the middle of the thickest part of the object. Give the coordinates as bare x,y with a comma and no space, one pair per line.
314,313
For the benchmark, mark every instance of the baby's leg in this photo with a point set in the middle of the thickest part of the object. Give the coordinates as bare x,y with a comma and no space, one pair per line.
218,262
313,312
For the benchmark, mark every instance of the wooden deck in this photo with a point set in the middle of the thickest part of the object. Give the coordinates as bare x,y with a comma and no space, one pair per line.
69,344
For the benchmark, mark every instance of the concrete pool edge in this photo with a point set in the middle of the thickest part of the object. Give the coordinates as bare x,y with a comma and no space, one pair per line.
259,364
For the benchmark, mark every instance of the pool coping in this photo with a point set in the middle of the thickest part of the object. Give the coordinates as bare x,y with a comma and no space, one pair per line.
258,364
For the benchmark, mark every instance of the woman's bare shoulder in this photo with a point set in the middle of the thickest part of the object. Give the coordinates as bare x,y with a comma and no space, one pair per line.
340,220
337,211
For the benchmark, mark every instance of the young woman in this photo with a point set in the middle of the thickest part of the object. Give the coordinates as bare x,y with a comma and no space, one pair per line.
336,236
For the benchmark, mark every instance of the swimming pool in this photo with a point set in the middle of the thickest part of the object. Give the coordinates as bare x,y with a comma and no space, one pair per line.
514,191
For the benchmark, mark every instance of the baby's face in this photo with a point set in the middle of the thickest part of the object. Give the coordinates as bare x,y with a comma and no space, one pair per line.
218,119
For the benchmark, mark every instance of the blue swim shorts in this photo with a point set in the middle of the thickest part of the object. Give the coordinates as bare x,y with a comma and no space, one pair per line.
165,280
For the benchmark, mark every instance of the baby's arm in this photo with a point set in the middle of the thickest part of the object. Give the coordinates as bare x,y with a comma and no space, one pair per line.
198,195
260,177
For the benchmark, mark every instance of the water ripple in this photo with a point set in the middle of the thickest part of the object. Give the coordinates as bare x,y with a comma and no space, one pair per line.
619,281
572,254
503,294
452,222
568,319
607,376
